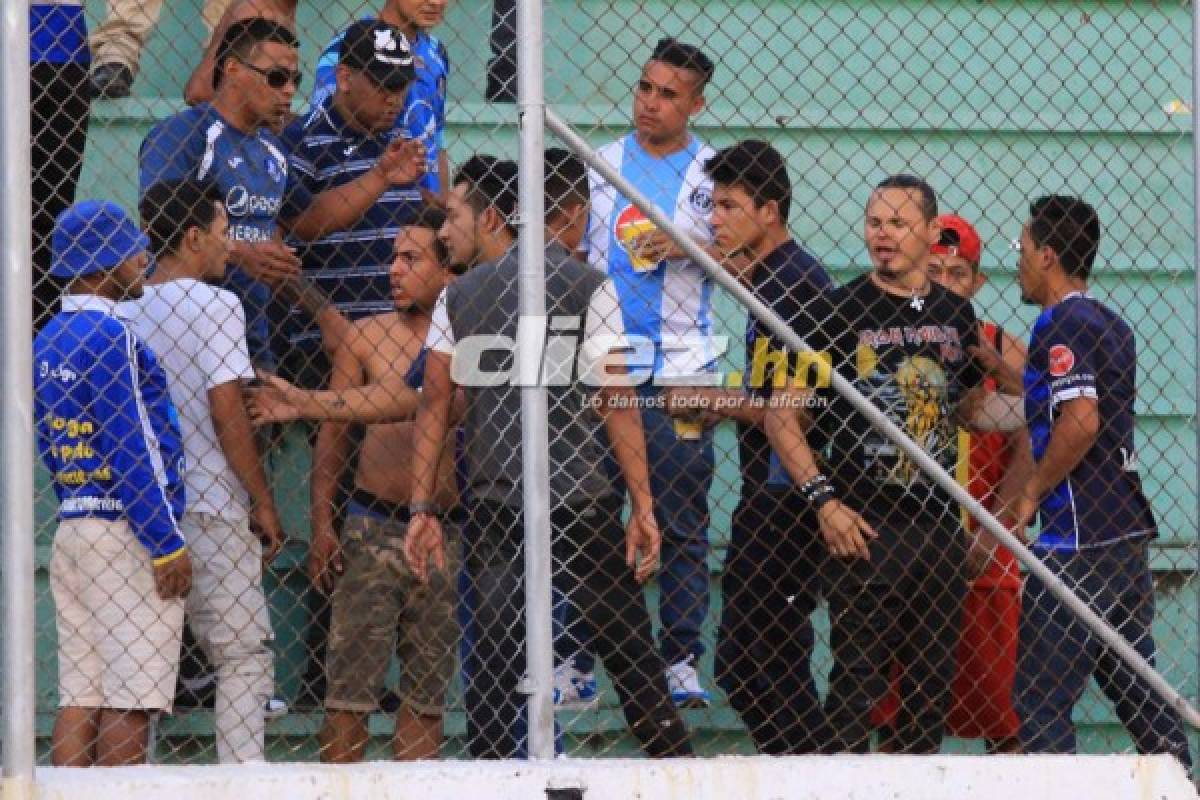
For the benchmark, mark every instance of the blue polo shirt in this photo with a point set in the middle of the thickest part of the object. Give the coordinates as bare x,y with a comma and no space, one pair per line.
251,173
351,265
424,115
1080,348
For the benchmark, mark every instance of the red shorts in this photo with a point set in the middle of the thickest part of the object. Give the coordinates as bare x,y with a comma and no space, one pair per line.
981,697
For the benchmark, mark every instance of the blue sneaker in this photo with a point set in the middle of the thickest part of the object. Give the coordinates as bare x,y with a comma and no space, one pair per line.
574,690
684,684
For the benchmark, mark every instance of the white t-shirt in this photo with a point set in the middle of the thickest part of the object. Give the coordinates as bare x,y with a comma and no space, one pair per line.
603,332
198,334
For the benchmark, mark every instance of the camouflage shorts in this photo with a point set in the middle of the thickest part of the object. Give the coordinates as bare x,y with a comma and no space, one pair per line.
380,608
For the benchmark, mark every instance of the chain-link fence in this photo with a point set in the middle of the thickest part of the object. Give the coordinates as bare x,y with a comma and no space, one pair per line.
741,560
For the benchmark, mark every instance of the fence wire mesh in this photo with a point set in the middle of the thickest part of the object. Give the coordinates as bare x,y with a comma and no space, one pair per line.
329,195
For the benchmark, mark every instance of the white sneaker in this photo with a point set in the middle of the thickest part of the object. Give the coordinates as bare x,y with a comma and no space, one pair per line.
275,708
684,685
574,690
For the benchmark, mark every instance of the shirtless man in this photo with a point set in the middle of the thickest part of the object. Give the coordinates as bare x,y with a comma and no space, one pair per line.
374,595
199,87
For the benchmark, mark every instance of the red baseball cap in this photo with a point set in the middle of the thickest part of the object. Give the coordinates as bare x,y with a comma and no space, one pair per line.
958,239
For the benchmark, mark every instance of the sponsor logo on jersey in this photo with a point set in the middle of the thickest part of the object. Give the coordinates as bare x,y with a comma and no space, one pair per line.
701,200
1061,361
632,224
239,203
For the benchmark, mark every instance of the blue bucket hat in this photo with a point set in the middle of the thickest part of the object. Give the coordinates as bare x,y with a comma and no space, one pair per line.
93,236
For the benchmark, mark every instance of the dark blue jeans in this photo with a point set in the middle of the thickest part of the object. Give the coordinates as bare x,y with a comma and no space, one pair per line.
681,472
770,587
1058,653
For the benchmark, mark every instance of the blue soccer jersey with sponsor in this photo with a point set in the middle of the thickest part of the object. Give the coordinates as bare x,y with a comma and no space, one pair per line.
424,115
251,173
351,265
668,302
1079,348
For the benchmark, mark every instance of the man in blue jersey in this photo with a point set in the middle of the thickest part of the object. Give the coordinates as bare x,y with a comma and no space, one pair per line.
667,299
199,86
424,114
1096,524
109,436
361,172
228,142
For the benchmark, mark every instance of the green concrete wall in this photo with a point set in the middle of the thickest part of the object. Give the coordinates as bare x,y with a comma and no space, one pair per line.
992,102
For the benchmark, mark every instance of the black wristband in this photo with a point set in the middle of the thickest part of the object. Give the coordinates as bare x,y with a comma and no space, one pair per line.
816,491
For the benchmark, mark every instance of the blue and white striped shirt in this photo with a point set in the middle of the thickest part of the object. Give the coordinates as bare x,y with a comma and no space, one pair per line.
669,303
351,265
424,114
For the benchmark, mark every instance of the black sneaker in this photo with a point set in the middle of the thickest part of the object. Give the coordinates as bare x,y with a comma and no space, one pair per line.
311,696
196,692
111,81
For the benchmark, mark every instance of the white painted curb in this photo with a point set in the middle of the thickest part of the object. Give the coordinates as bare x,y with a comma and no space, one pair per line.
726,778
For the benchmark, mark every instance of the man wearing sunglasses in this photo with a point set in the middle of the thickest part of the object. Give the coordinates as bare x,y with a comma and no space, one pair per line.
229,142
199,86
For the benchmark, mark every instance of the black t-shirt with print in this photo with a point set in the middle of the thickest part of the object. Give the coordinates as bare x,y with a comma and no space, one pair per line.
910,358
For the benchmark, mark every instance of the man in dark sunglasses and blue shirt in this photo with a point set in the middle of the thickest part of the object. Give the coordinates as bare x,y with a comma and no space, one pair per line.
230,142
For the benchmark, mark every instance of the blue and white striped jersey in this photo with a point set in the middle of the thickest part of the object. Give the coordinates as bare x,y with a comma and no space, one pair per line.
351,265
669,303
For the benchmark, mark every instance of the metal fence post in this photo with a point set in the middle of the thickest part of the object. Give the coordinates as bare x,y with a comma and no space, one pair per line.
531,334
16,429
1196,284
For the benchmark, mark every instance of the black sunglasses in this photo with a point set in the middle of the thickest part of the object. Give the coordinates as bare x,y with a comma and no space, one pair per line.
276,77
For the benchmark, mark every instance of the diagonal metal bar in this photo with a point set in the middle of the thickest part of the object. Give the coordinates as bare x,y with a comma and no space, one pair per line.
878,419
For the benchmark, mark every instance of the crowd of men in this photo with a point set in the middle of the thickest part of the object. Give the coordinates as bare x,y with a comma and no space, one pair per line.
339,251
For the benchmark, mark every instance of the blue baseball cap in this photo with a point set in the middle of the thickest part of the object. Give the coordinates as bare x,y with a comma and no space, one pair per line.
93,236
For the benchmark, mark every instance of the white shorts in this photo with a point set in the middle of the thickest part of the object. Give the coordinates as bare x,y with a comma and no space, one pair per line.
118,641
